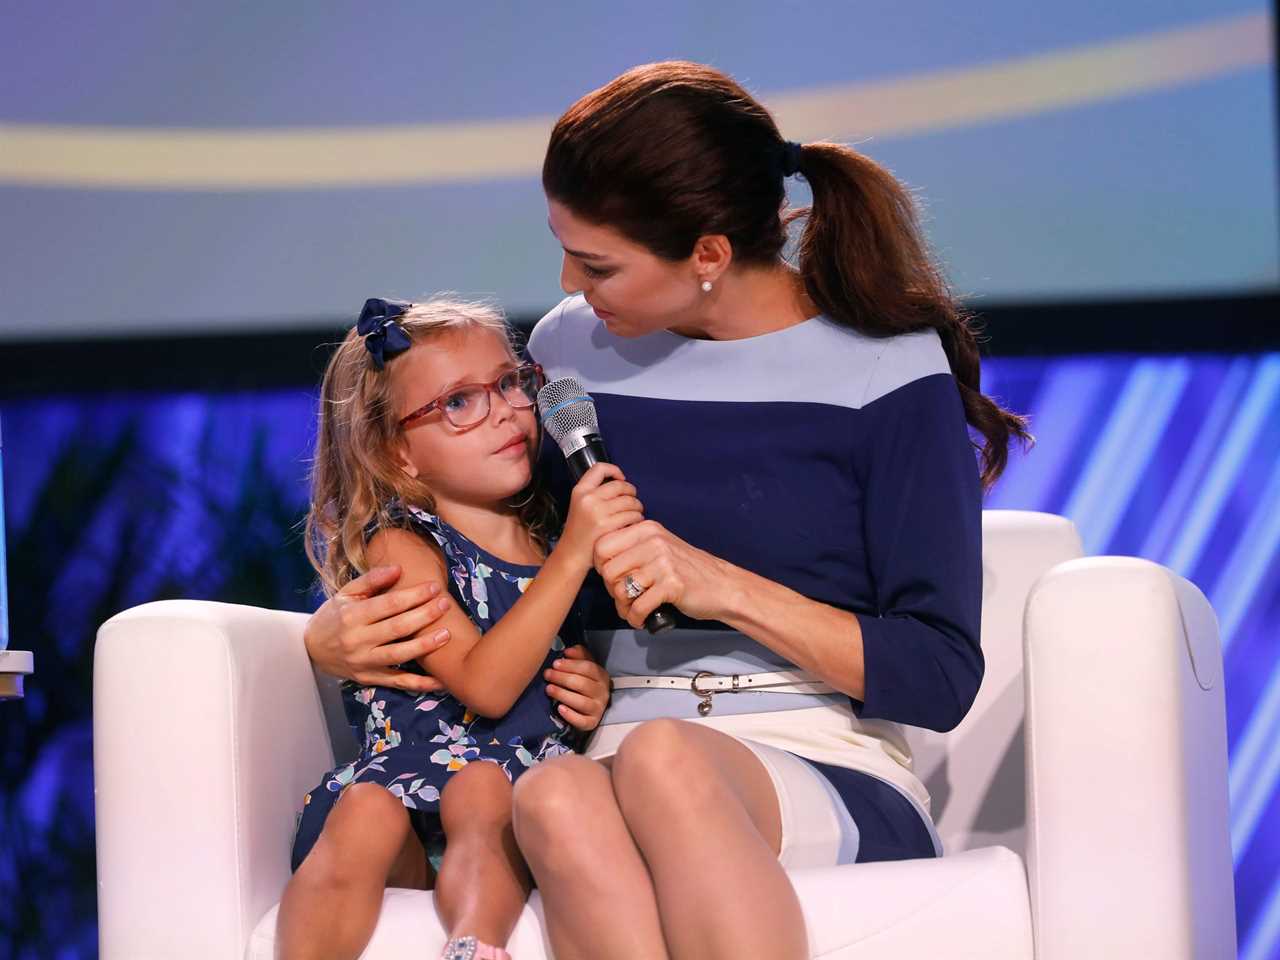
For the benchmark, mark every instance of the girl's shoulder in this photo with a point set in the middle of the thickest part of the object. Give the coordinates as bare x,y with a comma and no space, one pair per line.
456,546
397,515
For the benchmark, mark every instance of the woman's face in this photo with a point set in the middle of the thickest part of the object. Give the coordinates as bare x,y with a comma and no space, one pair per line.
479,465
632,291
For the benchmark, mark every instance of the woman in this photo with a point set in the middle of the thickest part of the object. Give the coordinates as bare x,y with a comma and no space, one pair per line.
798,437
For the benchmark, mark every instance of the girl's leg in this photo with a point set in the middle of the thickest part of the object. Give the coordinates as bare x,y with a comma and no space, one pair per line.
704,814
483,882
331,904
596,891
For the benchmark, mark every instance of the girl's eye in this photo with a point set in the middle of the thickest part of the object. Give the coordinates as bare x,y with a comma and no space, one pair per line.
457,401
520,388
594,273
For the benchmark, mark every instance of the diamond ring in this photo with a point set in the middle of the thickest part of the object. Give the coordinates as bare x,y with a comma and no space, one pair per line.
632,588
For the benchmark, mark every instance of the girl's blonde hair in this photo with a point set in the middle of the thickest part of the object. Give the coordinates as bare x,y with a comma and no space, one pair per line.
356,469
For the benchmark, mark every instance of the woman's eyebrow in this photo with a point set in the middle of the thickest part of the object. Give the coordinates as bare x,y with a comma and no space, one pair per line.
575,253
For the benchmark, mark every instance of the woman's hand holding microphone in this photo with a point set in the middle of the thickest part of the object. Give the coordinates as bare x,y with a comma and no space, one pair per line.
661,568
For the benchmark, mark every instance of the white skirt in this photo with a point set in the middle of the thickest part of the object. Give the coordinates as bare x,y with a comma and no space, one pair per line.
817,828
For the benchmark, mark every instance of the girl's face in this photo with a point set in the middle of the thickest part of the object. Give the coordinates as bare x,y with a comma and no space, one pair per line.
633,291
480,465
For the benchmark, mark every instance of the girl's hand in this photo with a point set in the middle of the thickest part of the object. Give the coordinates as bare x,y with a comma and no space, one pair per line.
358,633
669,570
582,687
601,502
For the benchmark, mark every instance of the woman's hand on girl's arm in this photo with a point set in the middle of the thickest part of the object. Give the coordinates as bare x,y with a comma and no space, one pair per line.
422,564
582,687
366,629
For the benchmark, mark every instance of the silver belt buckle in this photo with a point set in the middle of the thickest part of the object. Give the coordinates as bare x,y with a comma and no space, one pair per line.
704,705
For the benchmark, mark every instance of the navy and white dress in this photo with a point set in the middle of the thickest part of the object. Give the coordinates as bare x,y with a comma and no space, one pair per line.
837,464
411,744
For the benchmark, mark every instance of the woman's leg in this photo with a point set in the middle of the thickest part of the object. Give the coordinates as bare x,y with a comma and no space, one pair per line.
596,891
331,904
483,882
704,814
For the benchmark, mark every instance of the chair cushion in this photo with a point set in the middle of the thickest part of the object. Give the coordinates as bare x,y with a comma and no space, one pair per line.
973,904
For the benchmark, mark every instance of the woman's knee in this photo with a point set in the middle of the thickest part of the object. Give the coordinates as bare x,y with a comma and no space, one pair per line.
675,778
555,793
660,770
656,752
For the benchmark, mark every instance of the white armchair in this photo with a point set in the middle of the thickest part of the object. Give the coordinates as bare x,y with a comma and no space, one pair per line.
1082,802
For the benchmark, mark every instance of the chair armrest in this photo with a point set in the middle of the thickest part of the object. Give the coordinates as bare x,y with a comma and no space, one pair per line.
208,730
1128,847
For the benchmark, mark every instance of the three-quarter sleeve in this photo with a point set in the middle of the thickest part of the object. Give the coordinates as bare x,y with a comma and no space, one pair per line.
923,533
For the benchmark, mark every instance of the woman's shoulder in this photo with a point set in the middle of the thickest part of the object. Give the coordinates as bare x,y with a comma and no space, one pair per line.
817,361
560,323
823,361
902,360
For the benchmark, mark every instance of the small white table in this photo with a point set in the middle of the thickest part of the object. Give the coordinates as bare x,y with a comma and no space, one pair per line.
14,665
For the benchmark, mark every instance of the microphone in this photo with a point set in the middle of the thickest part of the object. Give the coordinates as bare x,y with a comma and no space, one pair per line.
569,416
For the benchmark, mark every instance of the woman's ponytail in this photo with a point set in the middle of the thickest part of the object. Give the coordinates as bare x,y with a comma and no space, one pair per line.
864,263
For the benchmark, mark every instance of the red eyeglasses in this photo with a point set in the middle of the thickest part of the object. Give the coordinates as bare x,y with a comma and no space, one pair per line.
468,403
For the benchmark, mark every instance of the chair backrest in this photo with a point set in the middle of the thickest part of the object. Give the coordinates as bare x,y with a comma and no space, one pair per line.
976,773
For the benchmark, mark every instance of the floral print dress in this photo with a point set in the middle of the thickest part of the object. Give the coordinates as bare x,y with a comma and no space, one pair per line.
413,743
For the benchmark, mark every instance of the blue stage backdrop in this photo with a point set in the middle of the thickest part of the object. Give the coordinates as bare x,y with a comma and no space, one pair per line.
117,500
256,163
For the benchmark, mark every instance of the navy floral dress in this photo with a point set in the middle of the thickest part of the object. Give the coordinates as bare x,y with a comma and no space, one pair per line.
413,743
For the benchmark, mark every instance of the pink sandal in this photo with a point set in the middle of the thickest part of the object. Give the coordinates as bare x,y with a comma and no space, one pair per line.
469,948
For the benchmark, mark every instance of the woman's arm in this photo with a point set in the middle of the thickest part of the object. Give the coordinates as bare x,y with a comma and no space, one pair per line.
489,671
359,633
917,672
916,659
814,636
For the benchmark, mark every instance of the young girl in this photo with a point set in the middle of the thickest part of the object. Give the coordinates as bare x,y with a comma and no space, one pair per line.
425,459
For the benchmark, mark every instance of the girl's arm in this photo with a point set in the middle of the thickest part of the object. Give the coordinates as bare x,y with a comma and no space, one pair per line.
489,671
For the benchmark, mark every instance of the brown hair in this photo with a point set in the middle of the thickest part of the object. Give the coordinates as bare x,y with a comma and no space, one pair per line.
356,470
669,152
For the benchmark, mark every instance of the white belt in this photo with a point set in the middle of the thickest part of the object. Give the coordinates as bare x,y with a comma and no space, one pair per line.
704,684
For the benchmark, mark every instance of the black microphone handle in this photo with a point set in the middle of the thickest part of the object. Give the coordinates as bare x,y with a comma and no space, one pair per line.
582,460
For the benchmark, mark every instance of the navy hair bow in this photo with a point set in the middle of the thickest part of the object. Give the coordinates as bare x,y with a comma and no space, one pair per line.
383,336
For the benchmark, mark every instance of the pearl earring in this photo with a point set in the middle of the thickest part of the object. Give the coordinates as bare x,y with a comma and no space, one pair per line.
706,286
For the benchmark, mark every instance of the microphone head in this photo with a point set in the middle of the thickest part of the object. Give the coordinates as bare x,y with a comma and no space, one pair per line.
568,414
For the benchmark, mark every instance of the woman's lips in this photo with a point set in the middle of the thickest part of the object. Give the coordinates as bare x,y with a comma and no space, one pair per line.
602,314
